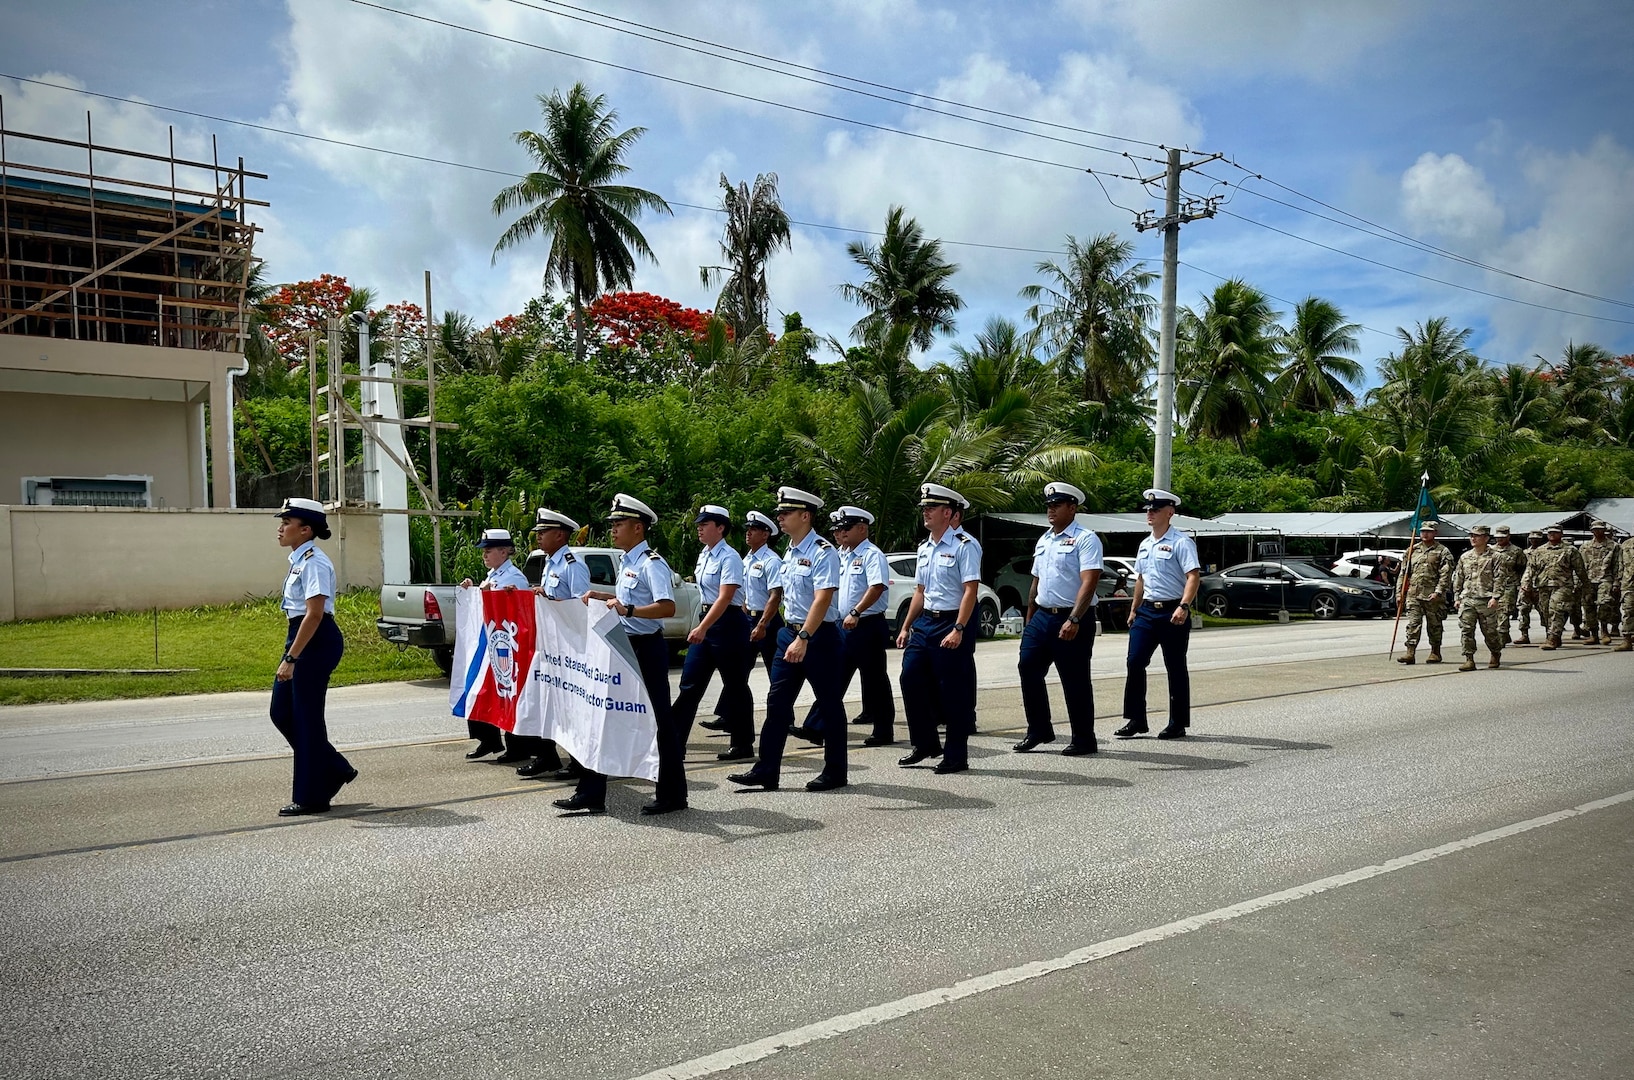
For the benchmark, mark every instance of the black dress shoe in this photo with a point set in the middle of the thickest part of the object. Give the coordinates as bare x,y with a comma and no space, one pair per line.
483,751
753,779
825,782
1172,732
511,757
945,767
571,771
539,767
1131,729
810,735
917,756
296,809
1031,741
878,740
348,778
735,753
653,809
1079,749
576,803
714,725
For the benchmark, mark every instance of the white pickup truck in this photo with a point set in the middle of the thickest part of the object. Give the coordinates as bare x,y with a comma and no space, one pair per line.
423,615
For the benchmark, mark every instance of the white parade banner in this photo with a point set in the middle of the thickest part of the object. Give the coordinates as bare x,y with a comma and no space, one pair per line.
571,677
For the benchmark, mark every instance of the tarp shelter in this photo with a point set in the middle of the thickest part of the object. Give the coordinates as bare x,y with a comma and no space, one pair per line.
1382,524
1114,524
1572,521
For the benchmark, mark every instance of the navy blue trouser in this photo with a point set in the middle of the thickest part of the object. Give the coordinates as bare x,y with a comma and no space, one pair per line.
738,711
297,713
1152,629
1041,646
939,687
652,656
862,653
724,649
821,667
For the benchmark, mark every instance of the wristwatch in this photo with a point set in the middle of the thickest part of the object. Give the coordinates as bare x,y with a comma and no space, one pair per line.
1075,619
804,635
852,614
959,626
288,659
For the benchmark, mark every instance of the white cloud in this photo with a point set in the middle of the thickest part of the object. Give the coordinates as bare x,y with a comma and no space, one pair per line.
1447,195
1314,38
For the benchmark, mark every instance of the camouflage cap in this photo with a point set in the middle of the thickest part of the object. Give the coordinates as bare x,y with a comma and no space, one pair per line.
1480,530
1534,535
1599,526
1501,530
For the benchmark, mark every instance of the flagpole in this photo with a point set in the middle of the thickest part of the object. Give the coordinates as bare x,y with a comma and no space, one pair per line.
1407,559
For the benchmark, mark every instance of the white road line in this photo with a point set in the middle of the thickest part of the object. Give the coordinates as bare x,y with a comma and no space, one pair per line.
760,1049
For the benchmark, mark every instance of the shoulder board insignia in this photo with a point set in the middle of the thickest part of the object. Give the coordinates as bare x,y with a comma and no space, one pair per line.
309,553
823,543
651,554
570,557
964,538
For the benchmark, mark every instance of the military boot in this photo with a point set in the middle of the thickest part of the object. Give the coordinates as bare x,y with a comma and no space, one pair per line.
1468,664
1593,638
1524,639
1492,660
1627,645
1434,657
1550,645
1407,657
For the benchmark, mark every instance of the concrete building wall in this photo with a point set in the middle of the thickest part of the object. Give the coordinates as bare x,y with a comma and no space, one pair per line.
70,435
67,560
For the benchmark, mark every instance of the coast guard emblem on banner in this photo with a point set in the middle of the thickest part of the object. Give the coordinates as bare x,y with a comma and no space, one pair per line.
494,655
502,657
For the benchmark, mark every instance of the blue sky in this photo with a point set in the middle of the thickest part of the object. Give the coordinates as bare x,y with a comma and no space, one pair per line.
1498,130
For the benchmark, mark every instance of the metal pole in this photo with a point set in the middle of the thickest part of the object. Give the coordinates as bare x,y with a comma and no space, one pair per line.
312,405
331,404
431,415
1163,451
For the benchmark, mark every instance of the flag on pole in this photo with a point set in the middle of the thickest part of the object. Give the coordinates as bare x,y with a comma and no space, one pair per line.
493,639
1426,505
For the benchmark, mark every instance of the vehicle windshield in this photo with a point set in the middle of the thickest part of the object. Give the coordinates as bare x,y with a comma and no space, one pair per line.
1306,570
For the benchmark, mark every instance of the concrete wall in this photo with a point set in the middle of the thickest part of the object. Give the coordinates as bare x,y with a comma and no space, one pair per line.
62,435
66,560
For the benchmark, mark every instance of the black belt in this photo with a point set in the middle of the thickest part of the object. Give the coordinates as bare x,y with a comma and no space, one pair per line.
948,614
1056,610
1160,605
299,618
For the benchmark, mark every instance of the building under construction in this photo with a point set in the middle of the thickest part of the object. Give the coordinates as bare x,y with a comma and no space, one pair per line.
122,313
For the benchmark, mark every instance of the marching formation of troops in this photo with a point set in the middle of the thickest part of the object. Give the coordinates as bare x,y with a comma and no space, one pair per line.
816,615
1497,581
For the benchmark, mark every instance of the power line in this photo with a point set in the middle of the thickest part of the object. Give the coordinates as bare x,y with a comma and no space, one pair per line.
840,75
787,74
727,93
1424,277
1384,232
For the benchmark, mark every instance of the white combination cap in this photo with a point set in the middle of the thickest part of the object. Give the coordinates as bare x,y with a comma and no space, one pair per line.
851,515
940,495
550,519
720,515
628,507
492,538
1060,492
1157,498
755,519
791,498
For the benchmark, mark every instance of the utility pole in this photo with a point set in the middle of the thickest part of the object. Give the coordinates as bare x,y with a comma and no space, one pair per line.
1173,217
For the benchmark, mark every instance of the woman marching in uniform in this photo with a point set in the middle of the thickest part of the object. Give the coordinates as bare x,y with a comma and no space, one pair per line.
312,649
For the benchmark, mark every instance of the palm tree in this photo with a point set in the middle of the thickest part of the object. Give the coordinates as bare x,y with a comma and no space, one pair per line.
756,226
571,199
1316,366
1225,356
1582,380
906,283
1094,315
1520,400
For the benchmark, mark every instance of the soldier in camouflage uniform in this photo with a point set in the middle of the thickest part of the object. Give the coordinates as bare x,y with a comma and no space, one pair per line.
1600,569
1530,597
1625,581
1426,580
1514,565
1477,587
1559,569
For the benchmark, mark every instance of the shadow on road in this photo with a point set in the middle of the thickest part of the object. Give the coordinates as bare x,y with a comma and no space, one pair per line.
1173,762
727,826
1259,744
410,817
920,798
1041,777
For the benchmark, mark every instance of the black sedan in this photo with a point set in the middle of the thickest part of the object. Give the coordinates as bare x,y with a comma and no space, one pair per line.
1292,585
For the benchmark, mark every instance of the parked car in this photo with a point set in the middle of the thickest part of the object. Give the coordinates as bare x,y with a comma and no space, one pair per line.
1292,585
1112,592
422,616
1373,564
900,592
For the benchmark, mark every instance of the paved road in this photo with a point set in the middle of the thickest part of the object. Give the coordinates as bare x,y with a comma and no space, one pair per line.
446,924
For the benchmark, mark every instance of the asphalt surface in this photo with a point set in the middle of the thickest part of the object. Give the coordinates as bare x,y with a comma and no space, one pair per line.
445,922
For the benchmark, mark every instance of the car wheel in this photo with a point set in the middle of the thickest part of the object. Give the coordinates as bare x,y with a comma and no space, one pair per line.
1216,605
1325,605
444,657
987,619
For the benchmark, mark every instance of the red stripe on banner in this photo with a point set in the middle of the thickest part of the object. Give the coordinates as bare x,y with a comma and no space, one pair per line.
508,616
